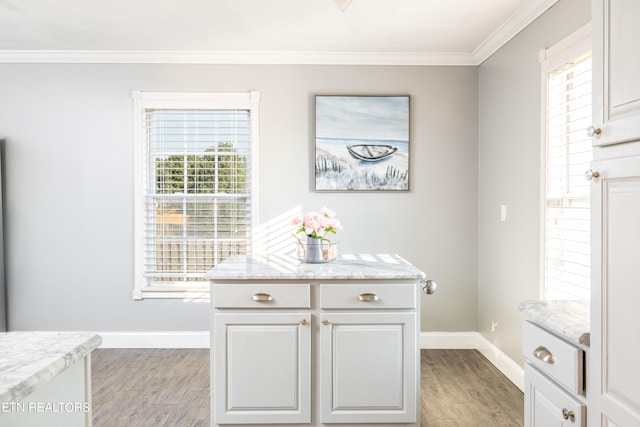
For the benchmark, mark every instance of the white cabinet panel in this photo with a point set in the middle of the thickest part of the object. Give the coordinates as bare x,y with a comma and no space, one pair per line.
547,405
262,368
368,367
622,293
616,67
615,370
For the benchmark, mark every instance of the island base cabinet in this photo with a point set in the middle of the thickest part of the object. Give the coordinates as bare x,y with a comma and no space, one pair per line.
261,368
64,401
368,368
307,345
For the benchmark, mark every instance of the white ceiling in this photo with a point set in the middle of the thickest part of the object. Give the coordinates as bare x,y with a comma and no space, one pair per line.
261,31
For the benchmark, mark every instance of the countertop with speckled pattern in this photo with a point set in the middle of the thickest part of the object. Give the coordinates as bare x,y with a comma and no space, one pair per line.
30,359
569,319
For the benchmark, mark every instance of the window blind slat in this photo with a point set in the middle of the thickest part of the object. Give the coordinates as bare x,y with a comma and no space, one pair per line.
197,197
569,153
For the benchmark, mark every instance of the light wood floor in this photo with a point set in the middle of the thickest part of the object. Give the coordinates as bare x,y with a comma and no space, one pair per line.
170,388
461,388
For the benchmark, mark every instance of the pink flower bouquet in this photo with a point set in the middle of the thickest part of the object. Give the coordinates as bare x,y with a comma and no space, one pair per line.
317,225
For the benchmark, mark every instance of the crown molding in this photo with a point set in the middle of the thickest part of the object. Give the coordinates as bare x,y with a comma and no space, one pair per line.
524,16
531,10
234,57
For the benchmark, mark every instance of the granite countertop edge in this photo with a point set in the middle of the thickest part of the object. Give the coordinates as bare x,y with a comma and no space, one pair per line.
289,268
568,319
25,374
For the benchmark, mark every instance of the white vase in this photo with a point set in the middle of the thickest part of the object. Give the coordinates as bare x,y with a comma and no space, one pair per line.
314,250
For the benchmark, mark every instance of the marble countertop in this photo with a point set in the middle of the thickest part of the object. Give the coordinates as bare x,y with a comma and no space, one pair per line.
360,266
569,319
30,359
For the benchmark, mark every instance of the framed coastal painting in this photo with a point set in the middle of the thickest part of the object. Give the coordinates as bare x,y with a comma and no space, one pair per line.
362,143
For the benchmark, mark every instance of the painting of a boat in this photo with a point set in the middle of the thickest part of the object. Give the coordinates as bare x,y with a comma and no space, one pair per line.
371,152
362,143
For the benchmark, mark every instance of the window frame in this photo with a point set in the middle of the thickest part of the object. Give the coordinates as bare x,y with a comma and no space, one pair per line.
576,44
143,101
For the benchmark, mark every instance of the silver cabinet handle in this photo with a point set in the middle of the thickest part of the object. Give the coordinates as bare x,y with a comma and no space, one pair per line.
590,174
368,297
566,414
543,354
261,297
429,286
592,131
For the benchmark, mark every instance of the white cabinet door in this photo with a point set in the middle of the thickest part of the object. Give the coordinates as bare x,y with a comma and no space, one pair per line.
616,67
368,367
614,395
261,368
547,405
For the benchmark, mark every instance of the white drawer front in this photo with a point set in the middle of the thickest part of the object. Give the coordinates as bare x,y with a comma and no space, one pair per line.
366,296
560,360
261,295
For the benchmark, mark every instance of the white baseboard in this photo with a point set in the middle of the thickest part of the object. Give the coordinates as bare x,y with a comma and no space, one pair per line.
474,340
429,340
169,339
500,360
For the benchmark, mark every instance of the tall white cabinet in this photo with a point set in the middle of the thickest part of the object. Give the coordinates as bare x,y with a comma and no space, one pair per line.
615,326
614,371
308,345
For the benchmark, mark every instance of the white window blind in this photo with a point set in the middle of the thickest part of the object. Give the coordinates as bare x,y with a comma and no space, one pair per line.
567,198
196,192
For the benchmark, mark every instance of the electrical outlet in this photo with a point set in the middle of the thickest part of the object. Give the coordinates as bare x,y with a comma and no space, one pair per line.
494,325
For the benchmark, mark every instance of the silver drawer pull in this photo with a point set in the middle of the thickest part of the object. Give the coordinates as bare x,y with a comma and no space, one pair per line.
368,297
261,297
544,354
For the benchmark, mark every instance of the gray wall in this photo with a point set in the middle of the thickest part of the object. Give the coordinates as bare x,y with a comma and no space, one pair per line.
69,184
474,145
509,173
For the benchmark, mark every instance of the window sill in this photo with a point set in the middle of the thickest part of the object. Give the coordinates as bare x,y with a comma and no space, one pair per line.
194,293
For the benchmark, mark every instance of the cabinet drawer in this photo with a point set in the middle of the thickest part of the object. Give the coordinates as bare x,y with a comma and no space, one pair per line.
557,358
367,296
262,295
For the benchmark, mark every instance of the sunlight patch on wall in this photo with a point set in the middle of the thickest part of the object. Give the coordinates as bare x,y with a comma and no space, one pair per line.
275,236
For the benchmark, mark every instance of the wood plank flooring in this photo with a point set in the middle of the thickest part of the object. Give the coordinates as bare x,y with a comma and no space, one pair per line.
170,388
461,388
150,387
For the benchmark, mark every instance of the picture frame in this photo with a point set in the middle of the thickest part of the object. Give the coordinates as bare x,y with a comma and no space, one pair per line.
362,142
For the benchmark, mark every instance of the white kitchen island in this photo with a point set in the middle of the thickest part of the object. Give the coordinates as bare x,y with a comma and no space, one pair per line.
299,344
45,378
